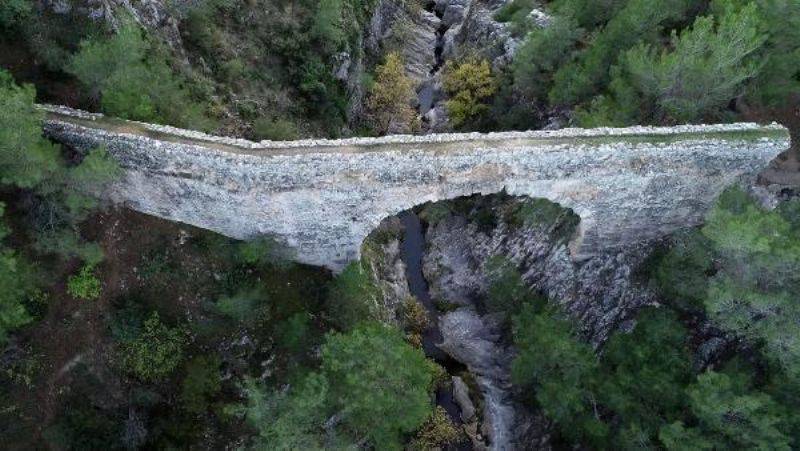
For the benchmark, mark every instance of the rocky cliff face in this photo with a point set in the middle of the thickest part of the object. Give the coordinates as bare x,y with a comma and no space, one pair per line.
601,293
430,35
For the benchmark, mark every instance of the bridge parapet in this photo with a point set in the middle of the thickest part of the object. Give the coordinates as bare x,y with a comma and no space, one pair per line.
323,197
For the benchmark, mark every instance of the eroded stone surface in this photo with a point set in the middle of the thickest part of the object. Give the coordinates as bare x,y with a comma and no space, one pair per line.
323,197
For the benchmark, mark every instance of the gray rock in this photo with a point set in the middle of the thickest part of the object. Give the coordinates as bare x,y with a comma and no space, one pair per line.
461,395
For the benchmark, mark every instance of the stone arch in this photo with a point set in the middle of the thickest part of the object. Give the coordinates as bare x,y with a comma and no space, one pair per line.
531,204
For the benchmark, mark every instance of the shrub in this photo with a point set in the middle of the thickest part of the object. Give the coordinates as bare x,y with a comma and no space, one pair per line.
201,383
507,291
437,433
353,297
26,158
84,285
370,373
390,98
133,81
415,316
757,254
246,305
14,13
15,287
275,129
542,52
469,85
264,251
155,353
637,21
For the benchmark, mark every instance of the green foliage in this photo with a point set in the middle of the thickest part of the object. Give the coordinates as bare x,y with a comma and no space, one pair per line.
754,290
14,13
707,66
469,85
26,158
202,382
370,377
264,251
379,380
507,291
437,433
542,52
244,305
275,129
155,352
728,417
15,288
328,26
133,81
289,420
637,21
552,362
353,297
681,274
390,97
779,77
84,285
643,374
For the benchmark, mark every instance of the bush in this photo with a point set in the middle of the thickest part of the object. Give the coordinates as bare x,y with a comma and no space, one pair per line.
415,317
246,305
469,86
15,287
638,21
438,432
155,352
26,158
353,297
84,285
542,52
14,13
133,81
507,291
390,97
264,251
201,383
728,417
559,367
757,254
275,129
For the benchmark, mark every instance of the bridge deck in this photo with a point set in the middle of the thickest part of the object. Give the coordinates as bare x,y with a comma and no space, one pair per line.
435,142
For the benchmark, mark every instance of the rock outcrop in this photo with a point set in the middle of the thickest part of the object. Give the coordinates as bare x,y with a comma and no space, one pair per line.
600,293
323,197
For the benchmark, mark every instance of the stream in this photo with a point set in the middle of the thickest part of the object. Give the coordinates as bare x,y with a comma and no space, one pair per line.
412,249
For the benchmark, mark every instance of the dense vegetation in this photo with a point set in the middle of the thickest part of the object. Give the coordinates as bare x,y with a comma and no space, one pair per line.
625,62
118,330
646,388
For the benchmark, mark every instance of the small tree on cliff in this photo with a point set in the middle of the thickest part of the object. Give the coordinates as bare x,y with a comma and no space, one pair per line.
470,85
389,102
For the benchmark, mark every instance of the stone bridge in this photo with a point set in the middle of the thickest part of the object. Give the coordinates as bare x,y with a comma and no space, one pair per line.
323,197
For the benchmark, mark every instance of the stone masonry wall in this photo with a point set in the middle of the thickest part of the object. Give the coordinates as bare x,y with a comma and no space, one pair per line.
323,197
